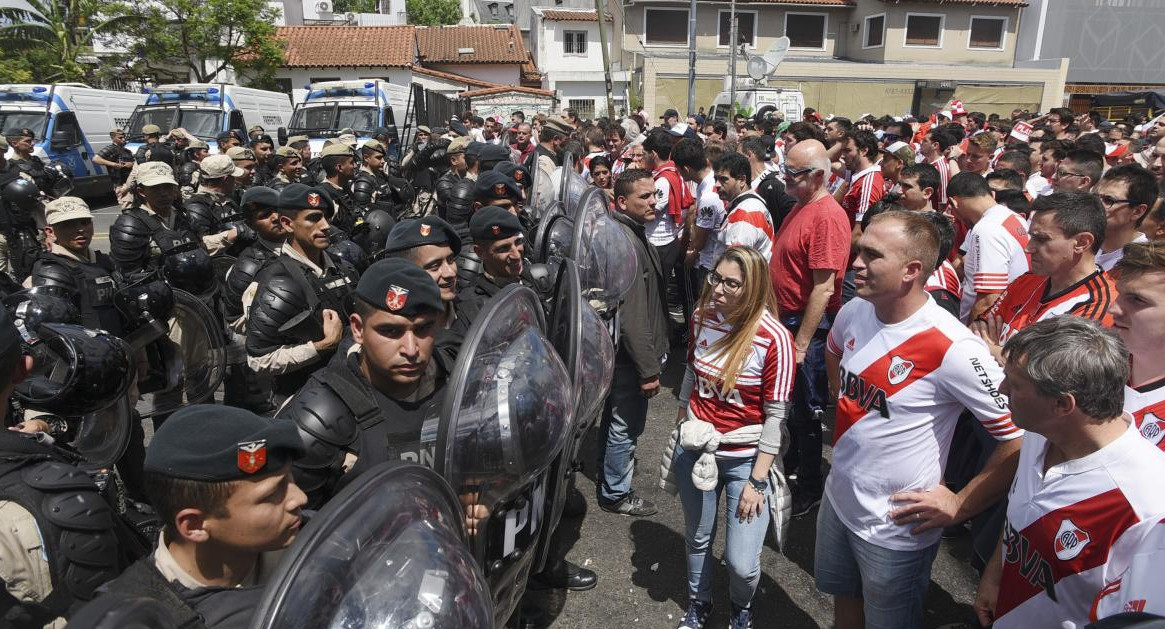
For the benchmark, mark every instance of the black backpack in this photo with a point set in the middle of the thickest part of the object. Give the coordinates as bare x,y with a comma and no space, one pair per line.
772,190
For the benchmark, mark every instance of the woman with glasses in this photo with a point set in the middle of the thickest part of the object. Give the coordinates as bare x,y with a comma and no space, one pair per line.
733,406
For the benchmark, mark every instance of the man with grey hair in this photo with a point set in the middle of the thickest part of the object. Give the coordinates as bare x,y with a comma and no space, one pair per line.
1086,479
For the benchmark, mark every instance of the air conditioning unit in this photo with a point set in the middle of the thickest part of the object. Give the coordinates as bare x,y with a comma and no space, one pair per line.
323,6
350,17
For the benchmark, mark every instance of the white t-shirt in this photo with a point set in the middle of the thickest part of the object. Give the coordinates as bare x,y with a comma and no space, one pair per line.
750,224
1108,259
710,215
1146,404
1133,574
903,387
1038,186
1063,523
995,255
663,230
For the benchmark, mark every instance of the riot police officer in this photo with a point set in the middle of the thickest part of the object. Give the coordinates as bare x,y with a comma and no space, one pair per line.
500,243
260,211
151,134
455,154
370,177
229,139
298,304
372,406
244,159
212,211
339,167
287,166
20,208
434,245
264,149
212,561
116,159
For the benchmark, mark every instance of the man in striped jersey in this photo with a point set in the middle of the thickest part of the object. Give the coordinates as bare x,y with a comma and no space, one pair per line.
903,370
994,245
1138,315
1065,234
934,150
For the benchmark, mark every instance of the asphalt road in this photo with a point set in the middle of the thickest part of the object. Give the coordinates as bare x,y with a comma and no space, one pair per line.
640,561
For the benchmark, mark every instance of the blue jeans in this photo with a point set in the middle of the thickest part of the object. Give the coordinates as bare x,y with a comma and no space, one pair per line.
810,398
745,539
624,416
890,583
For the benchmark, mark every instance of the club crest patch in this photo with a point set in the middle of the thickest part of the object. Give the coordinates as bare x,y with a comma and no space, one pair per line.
1070,541
1152,428
396,298
900,369
252,456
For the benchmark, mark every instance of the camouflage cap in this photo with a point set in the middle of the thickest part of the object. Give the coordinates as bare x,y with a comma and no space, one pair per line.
198,144
374,145
151,129
295,139
348,139
287,151
219,166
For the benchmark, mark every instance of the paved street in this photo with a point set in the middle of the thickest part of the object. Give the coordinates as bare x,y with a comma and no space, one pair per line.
640,562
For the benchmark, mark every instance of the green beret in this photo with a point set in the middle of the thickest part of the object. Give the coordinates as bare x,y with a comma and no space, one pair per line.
212,443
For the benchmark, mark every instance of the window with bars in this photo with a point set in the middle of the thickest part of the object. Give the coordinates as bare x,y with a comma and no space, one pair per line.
574,42
987,32
584,108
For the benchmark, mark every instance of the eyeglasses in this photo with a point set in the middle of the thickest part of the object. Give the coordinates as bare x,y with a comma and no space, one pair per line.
1108,201
793,173
1061,174
731,285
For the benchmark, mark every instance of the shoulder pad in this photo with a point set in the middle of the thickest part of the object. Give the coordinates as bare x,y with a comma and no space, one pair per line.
200,213
79,510
129,223
322,417
363,187
280,299
52,476
247,267
47,271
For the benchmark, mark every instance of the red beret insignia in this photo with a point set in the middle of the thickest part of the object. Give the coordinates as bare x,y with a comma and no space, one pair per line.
313,199
496,230
499,189
252,456
518,176
396,297
426,229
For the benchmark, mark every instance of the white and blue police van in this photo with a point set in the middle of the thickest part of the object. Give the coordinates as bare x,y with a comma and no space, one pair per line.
71,122
362,105
205,110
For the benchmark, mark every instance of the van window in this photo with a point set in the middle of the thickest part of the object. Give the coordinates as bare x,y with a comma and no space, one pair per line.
34,120
67,127
237,121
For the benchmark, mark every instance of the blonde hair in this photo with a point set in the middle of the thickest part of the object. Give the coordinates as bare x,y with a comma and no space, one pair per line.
755,298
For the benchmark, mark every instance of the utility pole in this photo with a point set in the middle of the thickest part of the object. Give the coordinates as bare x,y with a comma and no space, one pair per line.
692,60
732,62
601,13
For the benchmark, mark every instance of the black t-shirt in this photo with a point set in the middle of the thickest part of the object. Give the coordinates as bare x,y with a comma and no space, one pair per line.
121,155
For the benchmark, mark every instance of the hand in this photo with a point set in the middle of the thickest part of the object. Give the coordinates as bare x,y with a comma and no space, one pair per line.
986,596
31,426
333,331
990,329
690,258
933,509
475,513
954,152
681,415
751,503
231,234
800,354
650,387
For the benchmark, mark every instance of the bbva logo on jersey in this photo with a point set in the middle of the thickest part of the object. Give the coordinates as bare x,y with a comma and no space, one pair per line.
1070,541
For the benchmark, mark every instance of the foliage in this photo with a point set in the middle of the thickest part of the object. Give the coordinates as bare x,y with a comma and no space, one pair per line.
48,41
433,12
197,39
741,110
355,6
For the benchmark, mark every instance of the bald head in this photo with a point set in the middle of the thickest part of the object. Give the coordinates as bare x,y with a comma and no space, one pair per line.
807,154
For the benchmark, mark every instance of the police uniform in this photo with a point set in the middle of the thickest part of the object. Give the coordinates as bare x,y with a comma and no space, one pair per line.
19,209
279,180
447,182
140,156
212,214
187,172
118,155
347,424
251,260
346,211
489,224
209,444
284,305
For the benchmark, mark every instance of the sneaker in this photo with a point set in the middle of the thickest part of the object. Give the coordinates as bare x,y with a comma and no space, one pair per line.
696,616
631,505
741,618
805,501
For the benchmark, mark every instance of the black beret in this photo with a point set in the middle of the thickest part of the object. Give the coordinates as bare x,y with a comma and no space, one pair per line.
417,232
493,153
458,128
19,133
212,443
517,172
493,223
474,148
400,287
260,197
494,185
298,196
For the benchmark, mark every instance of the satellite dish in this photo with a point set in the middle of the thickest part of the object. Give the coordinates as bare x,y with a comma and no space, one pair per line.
758,68
777,52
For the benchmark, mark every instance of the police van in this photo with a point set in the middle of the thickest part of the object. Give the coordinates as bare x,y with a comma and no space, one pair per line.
71,122
205,110
362,105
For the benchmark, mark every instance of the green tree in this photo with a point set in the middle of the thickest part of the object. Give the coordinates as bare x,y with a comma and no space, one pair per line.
433,12
198,39
50,37
355,6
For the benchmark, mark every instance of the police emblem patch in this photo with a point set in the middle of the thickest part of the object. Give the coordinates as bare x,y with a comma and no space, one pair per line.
496,230
426,229
252,456
313,199
396,297
499,189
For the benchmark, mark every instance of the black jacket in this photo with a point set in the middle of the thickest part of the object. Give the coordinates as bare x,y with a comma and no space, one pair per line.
643,318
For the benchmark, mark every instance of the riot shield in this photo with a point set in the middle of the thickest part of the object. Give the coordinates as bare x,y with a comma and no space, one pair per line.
543,193
506,415
582,341
187,366
103,436
571,186
604,252
76,371
388,552
553,235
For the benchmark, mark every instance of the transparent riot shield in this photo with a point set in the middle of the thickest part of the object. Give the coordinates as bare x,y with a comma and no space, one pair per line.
553,236
388,552
604,252
582,341
507,414
187,366
572,184
543,193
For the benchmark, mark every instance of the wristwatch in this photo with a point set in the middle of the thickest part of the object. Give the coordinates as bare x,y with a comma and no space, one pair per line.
759,485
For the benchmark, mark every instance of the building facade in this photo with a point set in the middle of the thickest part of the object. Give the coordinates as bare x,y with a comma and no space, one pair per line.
568,52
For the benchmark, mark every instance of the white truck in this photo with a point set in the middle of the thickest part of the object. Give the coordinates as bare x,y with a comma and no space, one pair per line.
362,105
788,103
72,124
207,109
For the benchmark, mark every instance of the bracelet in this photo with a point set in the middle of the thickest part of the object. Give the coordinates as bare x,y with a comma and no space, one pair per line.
759,485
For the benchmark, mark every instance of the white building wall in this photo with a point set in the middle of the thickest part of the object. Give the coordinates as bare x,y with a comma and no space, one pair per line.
551,56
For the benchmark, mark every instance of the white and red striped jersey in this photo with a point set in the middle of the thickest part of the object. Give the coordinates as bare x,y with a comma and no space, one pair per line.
1062,524
939,198
945,278
1028,299
1146,404
903,387
767,375
865,189
1133,582
750,224
995,255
